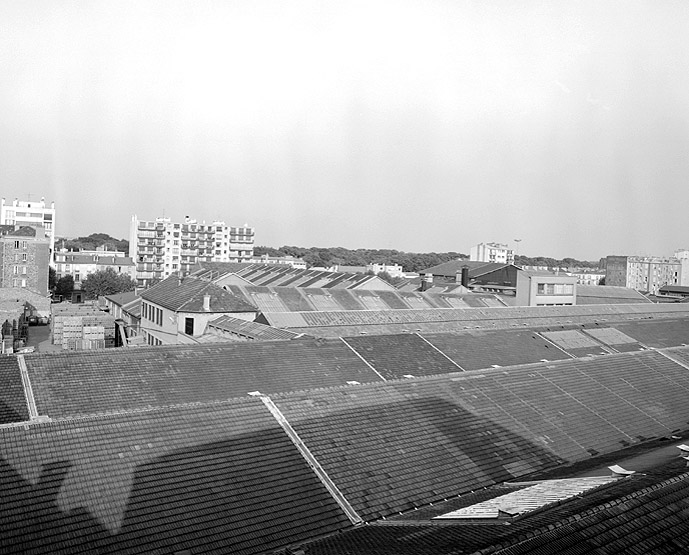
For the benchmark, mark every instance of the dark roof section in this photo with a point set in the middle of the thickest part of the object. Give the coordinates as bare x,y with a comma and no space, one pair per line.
400,356
187,294
454,267
666,332
220,478
13,404
250,330
474,349
608,294
111,380
122,299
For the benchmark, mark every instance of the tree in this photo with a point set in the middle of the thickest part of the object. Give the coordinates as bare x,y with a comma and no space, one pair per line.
64,286
106,282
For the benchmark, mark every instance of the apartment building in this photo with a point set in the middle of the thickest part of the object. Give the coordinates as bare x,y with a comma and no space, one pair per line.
24,258
162,247
492,252
646,273
31,213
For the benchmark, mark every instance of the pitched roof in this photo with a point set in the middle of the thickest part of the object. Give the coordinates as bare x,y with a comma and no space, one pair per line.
608,294
218,478
122,299
250,330
454,267
187,295
76,384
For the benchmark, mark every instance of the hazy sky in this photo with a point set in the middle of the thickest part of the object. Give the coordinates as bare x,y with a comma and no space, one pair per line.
421,125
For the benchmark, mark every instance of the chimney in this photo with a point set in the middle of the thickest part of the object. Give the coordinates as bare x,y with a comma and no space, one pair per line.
207,303
465,276
426,282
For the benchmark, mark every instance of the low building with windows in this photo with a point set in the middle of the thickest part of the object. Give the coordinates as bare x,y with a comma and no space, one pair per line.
521,287
178,310
79,264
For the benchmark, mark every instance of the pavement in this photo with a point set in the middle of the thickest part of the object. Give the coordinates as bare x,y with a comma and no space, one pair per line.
39,338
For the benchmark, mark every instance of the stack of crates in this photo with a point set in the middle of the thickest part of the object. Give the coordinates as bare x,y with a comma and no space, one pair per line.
82,326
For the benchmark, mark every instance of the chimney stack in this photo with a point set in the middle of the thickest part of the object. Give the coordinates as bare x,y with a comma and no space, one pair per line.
207,303
465,276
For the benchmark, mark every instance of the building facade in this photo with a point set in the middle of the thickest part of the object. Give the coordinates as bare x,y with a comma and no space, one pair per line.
31,213
25,258
162,247
80,264
492,252
646,273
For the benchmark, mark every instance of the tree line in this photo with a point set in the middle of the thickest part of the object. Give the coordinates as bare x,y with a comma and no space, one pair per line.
410,261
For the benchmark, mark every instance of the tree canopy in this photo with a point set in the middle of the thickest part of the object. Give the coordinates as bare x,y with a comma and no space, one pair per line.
94,241
106,282
64,286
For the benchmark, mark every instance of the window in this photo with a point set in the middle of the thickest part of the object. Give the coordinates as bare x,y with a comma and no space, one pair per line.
24,257
15,270
555,289
24,244
189,326
24,270
16,244
23,283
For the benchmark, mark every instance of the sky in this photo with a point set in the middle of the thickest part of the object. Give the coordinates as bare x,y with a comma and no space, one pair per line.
428,125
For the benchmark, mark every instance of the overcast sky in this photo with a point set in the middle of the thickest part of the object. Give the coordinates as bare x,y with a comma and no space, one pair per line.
421,125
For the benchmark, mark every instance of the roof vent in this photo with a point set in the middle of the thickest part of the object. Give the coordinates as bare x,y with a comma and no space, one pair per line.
619,472
353,382
408,376
207,303
255,393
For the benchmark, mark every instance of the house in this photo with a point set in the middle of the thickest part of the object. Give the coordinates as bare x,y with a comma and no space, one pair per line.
177,310
126,309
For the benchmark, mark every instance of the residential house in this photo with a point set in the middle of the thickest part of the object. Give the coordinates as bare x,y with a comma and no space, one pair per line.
177,310
80,264
24,258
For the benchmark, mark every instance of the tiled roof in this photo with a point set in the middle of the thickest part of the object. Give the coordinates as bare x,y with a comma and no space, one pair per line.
250,330
375,322
13,406
399,356
474,349
122,299
187,295
220,478
314,299
392,446
608,294
666,332
84,383
607,520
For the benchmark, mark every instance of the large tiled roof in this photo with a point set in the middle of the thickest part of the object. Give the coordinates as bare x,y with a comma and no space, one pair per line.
187,295
220,478
342,324
122,299
314,299
285,275
396,445
93,382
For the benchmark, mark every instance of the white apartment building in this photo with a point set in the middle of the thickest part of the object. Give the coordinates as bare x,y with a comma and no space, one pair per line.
492,252
162,247
31,213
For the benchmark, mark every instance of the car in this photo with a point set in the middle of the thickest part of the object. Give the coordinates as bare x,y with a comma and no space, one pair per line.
33,320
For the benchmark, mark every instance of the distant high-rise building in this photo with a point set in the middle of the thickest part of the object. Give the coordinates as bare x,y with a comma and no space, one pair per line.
492,252
31,213
161,247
